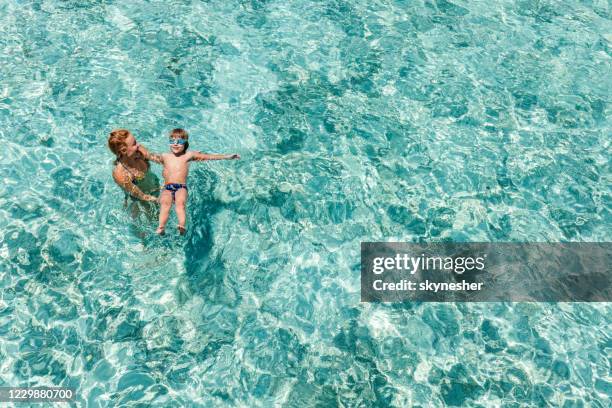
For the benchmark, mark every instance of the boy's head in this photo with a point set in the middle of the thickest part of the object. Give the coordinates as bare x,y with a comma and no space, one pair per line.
178,141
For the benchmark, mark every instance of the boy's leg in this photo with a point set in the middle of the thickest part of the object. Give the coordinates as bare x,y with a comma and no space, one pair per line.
164,210
180,198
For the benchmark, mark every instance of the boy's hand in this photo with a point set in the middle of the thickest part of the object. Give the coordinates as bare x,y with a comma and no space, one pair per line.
143,150
234,156
157,158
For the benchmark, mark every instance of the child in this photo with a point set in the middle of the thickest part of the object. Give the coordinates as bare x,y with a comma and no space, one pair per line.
176,167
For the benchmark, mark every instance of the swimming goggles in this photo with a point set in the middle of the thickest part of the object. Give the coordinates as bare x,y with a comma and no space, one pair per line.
177,141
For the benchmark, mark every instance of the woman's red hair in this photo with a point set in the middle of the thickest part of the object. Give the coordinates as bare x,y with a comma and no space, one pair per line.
116,141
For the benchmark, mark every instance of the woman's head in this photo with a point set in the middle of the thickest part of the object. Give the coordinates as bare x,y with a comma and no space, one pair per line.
179,141
122,143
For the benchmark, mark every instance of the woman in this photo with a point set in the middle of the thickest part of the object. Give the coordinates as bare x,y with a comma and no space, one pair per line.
132,172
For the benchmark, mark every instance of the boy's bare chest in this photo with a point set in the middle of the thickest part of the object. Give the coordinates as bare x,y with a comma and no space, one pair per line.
176,163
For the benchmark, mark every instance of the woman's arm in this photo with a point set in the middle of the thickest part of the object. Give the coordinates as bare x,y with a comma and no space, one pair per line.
197,156
124,181
157,158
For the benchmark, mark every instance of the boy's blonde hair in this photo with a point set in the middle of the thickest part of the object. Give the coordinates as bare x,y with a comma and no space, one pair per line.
179,133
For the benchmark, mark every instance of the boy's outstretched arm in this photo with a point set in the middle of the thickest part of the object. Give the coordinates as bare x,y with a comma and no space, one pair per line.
157,158
198,156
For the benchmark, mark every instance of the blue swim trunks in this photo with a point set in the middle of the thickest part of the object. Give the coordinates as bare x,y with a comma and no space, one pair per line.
174,187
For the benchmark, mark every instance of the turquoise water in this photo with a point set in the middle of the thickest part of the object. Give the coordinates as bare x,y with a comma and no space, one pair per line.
356,121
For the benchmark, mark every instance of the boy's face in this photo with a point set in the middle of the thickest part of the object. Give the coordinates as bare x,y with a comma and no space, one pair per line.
177,145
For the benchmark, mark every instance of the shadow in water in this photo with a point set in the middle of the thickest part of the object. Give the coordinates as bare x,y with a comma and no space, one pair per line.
205,272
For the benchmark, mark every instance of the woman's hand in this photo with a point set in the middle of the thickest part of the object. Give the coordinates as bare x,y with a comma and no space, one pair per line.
151,198
234,156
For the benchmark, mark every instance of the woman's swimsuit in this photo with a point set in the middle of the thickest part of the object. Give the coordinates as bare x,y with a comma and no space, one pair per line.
148,183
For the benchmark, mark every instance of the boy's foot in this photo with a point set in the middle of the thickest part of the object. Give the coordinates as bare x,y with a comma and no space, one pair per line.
182,230
160,231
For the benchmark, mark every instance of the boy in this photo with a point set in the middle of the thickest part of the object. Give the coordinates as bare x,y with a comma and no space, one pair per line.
176,168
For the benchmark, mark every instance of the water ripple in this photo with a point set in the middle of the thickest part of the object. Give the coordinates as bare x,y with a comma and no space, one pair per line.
357,121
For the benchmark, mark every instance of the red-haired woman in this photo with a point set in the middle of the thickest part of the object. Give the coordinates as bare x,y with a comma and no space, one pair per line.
131,170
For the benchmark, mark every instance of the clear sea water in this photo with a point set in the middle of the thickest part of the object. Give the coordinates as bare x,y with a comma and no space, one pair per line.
356,121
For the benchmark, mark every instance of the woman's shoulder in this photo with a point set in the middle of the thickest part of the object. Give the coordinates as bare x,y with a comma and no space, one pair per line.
120,172
118,167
